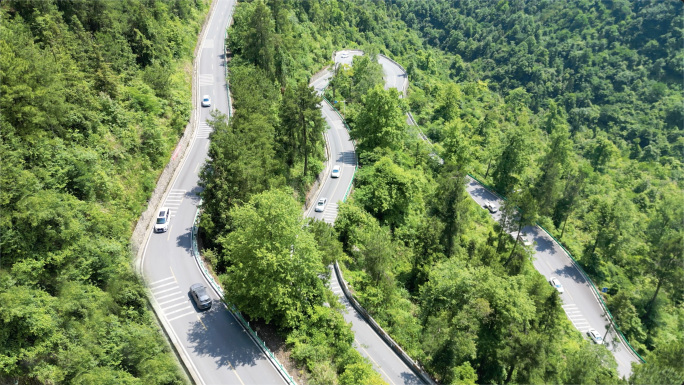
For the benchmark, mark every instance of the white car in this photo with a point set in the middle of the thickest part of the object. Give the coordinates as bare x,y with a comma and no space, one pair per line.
206,101
556,283
595,336
320,205
336,171
162,223
490,206
344,55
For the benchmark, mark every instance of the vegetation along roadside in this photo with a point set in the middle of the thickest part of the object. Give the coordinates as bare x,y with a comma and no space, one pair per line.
94,97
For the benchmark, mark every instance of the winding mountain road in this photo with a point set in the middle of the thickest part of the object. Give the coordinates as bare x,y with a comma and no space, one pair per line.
341,152
212,344
580,302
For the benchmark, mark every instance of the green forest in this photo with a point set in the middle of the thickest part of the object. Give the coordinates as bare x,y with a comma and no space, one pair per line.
94,97
572,110
568,117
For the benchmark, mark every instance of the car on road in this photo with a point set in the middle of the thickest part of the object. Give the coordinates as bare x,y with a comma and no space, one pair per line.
320,205
336,171
162,223
344,55
206,101
556,283
595,336
200,296
489,206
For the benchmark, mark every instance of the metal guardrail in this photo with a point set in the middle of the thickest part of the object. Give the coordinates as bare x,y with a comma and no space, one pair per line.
231,307
415,366
356,166
598,295
379,330
207,275
581,270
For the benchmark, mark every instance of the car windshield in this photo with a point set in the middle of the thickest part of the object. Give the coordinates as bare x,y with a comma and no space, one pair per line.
161,221
321,203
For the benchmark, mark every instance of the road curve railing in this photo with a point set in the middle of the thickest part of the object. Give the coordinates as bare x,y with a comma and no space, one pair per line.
413,365
144,224
595,291
229,306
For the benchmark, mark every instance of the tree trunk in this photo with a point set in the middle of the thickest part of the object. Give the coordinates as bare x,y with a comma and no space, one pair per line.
489,164
564,223
649,307
510,257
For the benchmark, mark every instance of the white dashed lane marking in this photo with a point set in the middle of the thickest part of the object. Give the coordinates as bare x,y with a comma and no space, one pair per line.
159,281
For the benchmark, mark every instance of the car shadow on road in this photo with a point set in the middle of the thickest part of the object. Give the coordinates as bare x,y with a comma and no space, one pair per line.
347,157
482,192
194,194
222,338
571,272
184,241
410,378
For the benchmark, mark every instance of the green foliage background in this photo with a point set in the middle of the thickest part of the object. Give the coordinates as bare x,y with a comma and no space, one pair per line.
571,110
94,96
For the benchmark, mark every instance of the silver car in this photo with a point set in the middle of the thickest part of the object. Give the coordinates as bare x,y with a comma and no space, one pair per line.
320,205
489,206
200,296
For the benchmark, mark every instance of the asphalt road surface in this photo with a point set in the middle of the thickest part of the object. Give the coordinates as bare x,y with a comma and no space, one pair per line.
342,152
214,346
579,301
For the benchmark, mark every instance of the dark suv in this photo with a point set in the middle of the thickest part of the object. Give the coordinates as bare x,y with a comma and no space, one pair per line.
200,296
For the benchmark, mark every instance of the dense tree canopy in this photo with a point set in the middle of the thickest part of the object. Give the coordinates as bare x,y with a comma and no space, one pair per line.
563,109
274,262
93,97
